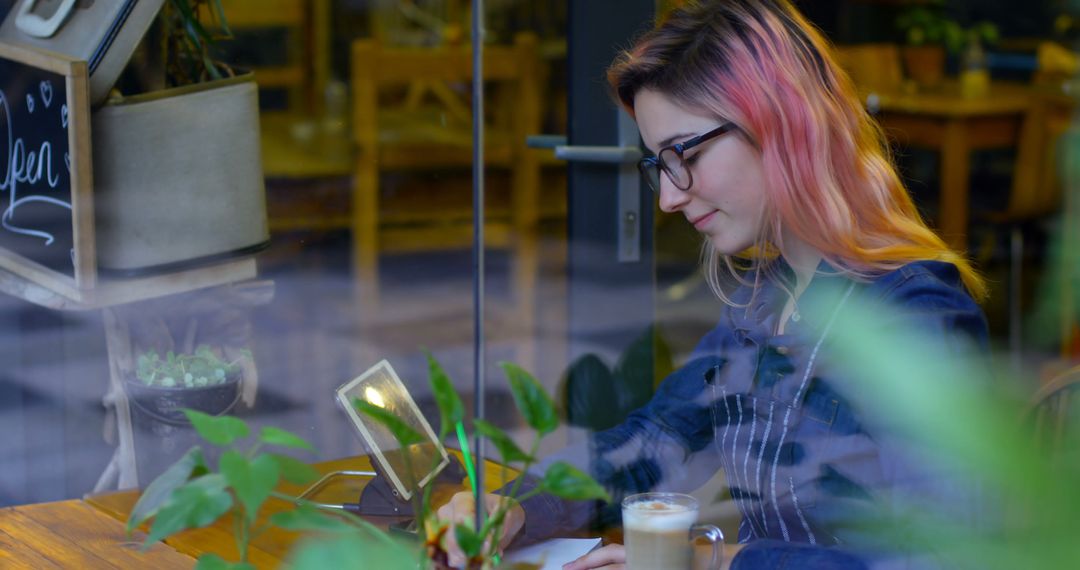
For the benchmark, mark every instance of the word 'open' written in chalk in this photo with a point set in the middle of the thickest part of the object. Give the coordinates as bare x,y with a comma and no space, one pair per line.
29,171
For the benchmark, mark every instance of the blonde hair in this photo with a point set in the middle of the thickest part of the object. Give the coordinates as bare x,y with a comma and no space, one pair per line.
830,180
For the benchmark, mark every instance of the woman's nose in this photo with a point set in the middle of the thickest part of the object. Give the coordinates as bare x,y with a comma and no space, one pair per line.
671,198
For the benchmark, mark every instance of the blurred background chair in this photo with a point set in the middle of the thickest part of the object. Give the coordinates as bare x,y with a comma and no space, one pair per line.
411,114
306,149
1036,193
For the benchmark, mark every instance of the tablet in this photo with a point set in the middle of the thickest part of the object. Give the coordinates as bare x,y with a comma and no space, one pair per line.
381,387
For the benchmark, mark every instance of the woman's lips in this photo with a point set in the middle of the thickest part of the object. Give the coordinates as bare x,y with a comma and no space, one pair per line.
702,220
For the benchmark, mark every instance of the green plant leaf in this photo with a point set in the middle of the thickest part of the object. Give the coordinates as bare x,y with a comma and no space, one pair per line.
405,434
220,430
159,491
564,480
219,17
470,542
196,504
353,551
275,436
192,25
293,470
212,561
252,480
509,450
531,399
308,518
451,409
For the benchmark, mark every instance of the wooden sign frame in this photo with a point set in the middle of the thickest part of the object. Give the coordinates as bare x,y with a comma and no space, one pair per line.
77,81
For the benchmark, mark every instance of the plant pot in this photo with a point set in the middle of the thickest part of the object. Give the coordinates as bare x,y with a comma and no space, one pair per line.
178,178
924,64
157,404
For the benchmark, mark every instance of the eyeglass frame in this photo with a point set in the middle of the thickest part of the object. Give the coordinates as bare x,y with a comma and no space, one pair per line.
648,163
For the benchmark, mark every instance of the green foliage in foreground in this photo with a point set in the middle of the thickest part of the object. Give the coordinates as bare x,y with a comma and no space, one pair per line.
480,546
974,426
192,494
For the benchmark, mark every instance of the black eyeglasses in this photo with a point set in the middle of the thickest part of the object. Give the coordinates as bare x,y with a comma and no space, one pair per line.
670,160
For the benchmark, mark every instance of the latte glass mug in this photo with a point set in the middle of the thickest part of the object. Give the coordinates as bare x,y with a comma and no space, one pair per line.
659,531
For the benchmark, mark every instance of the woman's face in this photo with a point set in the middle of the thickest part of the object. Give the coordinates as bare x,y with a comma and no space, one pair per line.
727,198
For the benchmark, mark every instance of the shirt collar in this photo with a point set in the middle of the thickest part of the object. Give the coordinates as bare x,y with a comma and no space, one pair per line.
759,318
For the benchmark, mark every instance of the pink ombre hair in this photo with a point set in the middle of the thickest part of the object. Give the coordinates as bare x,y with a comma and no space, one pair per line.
829,178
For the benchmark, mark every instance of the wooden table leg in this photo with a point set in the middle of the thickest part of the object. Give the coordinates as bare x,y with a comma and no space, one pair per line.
955,178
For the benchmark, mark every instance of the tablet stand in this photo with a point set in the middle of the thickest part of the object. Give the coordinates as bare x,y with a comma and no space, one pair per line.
379,497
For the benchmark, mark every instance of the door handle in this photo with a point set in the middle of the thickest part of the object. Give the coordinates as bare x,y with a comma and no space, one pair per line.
628,185
605,154
585,153
545,141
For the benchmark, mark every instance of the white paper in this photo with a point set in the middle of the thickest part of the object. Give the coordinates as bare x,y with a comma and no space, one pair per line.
552,554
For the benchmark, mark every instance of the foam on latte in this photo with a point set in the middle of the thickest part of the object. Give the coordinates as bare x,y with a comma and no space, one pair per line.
658,516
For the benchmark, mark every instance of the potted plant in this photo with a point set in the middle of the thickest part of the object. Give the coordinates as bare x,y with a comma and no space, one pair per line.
178,172
929,33
203,381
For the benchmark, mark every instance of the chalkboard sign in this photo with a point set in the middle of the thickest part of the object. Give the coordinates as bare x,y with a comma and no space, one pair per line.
46,207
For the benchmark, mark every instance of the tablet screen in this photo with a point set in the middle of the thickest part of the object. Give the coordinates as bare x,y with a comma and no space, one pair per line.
381,387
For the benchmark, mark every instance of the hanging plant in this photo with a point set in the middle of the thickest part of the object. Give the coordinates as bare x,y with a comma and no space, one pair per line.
191,30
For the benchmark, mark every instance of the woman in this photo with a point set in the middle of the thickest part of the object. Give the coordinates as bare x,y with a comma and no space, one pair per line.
761,142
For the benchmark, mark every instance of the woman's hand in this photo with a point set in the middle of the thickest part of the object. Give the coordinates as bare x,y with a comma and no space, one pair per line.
610,557
462,509
613,557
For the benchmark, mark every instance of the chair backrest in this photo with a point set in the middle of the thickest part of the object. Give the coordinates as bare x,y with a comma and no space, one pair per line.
418,23
1037,187
445,73
305,71
1054,64
1055,413
873,66
1037,182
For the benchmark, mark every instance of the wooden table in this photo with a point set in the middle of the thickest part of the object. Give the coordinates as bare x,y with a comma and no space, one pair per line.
268,550
73,534
300,146
955,125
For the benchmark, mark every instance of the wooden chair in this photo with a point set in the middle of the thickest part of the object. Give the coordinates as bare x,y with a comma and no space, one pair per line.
1070,260
1036,191
403,134
1058,66
1055,63
305,71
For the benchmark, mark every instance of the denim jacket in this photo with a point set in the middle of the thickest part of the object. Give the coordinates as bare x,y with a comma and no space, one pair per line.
803,465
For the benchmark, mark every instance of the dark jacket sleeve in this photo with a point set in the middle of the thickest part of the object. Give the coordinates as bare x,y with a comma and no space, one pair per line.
654,449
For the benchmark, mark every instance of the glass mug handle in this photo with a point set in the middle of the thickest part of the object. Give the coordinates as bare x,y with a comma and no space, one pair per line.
715,537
